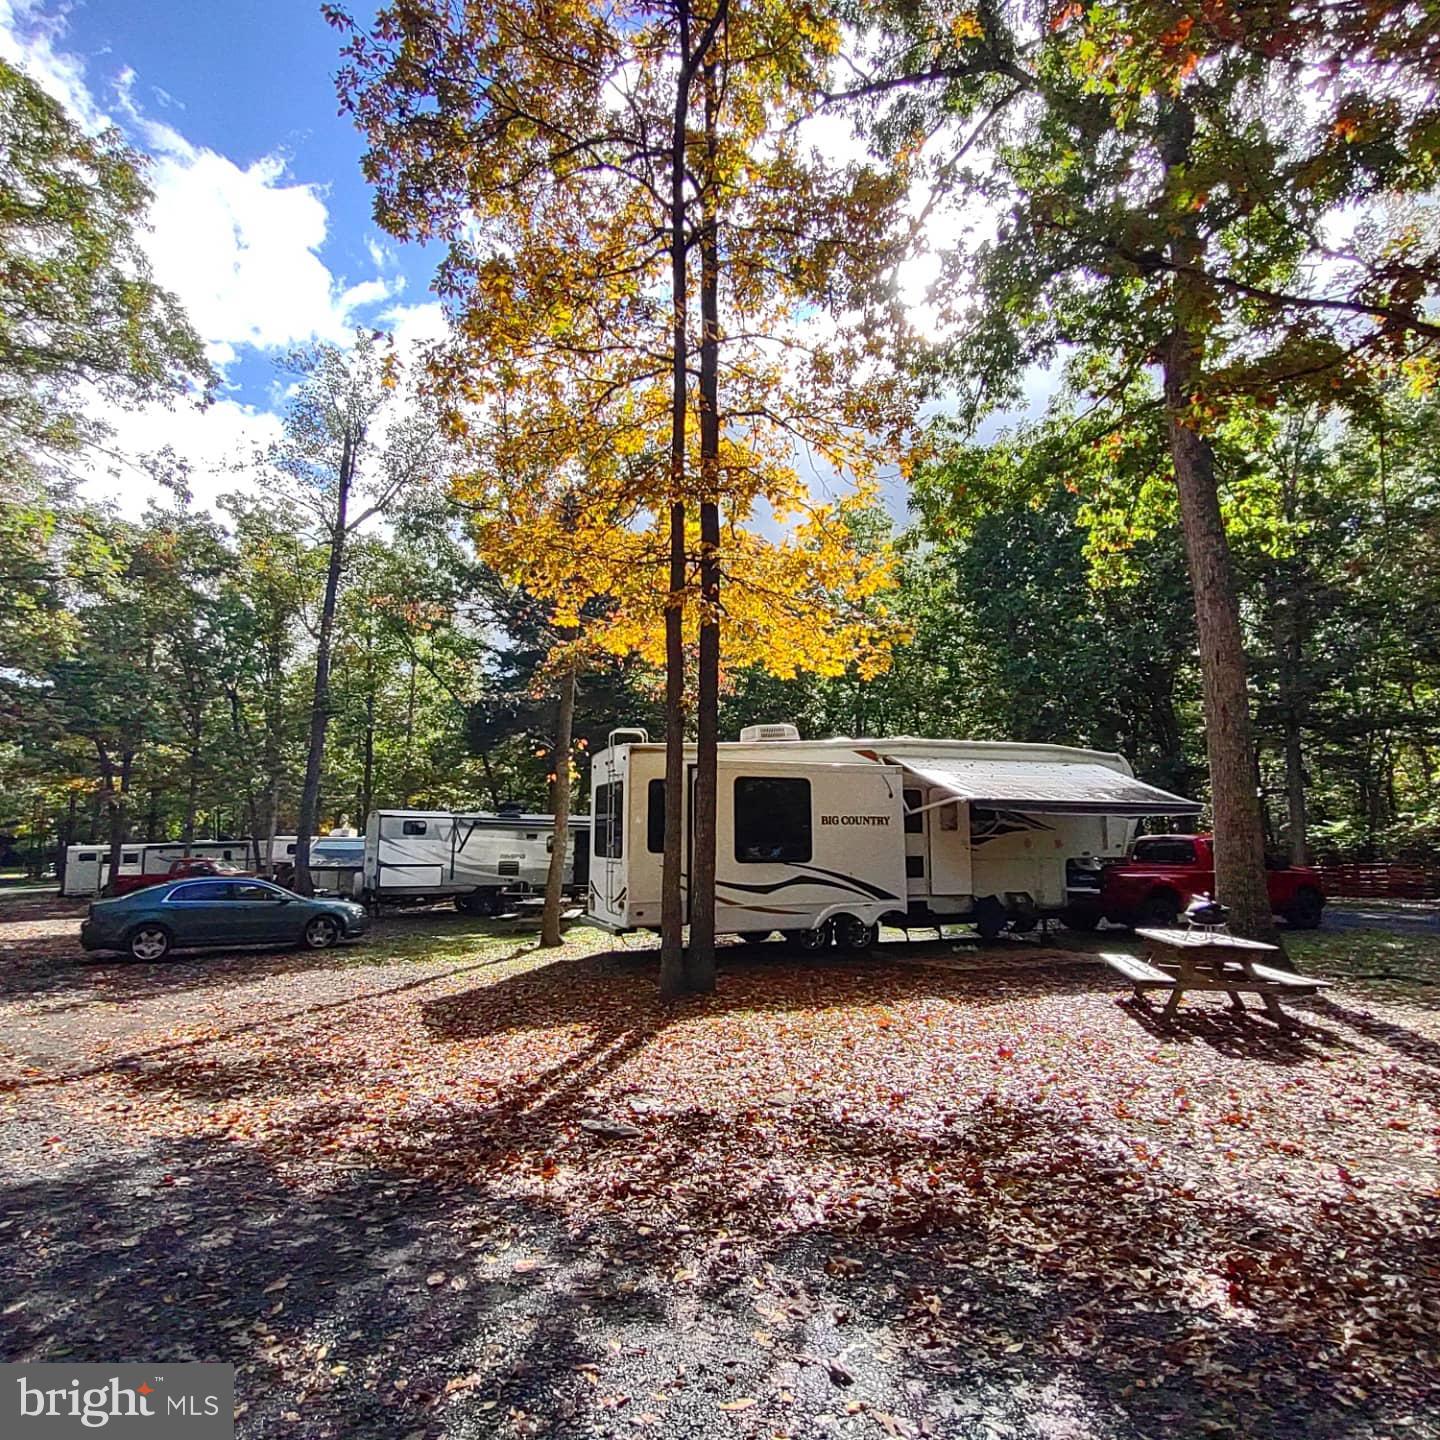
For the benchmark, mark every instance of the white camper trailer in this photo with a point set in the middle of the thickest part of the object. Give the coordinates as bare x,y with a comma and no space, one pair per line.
480,859
87,867
823,840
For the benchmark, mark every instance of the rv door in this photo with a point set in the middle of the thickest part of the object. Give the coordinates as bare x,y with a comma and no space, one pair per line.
949,825
608,820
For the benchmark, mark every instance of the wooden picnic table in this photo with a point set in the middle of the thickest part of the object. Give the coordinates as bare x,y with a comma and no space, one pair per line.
1179,960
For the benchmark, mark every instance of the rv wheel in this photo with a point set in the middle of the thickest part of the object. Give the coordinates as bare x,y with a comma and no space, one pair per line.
810,940
756,937
852,933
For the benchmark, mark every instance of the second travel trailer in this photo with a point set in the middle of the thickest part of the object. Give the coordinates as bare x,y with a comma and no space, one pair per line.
87,867
824,840
482,860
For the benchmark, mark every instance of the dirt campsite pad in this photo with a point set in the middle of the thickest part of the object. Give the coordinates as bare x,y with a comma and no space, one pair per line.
449,1185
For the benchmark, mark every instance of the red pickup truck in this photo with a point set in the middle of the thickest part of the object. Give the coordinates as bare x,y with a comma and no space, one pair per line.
1165,872
181,869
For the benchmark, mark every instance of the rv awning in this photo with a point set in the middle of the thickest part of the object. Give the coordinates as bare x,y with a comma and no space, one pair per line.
1049,787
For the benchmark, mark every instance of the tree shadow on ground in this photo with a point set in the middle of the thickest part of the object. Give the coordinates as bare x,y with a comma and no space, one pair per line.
594,988
150,1065
1057,1288
1409,1043
59,972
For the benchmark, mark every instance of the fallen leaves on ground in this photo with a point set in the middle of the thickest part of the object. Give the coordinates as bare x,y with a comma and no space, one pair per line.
1011,1114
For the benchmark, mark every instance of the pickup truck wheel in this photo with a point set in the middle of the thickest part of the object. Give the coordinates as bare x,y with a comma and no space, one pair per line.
1159,911
1080,918
321,933
1305,910
149,942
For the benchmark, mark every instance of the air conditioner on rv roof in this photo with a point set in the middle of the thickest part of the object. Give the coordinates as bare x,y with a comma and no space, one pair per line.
762,734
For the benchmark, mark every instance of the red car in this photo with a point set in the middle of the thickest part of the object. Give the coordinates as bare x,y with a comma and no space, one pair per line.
1165,872
181,869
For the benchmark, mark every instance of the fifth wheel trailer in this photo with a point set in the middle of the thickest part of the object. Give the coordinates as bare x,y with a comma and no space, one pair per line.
825,839
482,860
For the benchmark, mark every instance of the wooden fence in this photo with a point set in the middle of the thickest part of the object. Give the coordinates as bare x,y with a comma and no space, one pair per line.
1382,881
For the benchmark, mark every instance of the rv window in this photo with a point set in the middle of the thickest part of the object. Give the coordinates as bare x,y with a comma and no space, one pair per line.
129,857
1164,852
914,867
655,818
610,820
772,820
914,824
89,858
413,827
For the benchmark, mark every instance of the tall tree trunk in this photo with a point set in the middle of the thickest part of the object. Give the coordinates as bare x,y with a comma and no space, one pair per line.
672,916
117,809
409,781
274,720
320,702
367,782
700,959
67,839
1239,840
192,783
550,935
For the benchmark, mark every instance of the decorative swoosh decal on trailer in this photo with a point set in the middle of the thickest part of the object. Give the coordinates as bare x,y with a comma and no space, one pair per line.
823,879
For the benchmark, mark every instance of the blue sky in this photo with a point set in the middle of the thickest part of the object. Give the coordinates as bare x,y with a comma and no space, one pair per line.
261,222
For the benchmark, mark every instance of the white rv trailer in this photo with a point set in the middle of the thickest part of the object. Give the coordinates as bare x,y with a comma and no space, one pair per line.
480,859
87,867
825,839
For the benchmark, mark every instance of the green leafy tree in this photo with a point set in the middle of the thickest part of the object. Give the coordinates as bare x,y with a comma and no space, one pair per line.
80,313
1164,196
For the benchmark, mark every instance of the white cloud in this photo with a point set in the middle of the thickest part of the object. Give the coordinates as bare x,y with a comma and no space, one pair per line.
239,245
216,442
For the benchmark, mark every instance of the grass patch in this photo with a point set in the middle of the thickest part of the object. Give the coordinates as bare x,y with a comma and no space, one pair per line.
1388,964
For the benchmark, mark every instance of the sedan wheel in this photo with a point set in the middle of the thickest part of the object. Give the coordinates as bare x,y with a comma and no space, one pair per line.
321,933
150,942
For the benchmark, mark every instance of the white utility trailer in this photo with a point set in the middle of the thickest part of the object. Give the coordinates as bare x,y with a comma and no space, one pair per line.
484,860
87,867
825,839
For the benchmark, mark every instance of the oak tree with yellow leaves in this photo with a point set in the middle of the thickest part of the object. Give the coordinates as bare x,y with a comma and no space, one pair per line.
636,464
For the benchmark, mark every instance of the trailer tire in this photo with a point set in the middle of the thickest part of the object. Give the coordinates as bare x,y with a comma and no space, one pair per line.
810,941
852,933
478,902
755,937
990,918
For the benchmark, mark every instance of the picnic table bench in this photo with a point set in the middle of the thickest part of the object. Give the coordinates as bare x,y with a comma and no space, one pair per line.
1180,960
